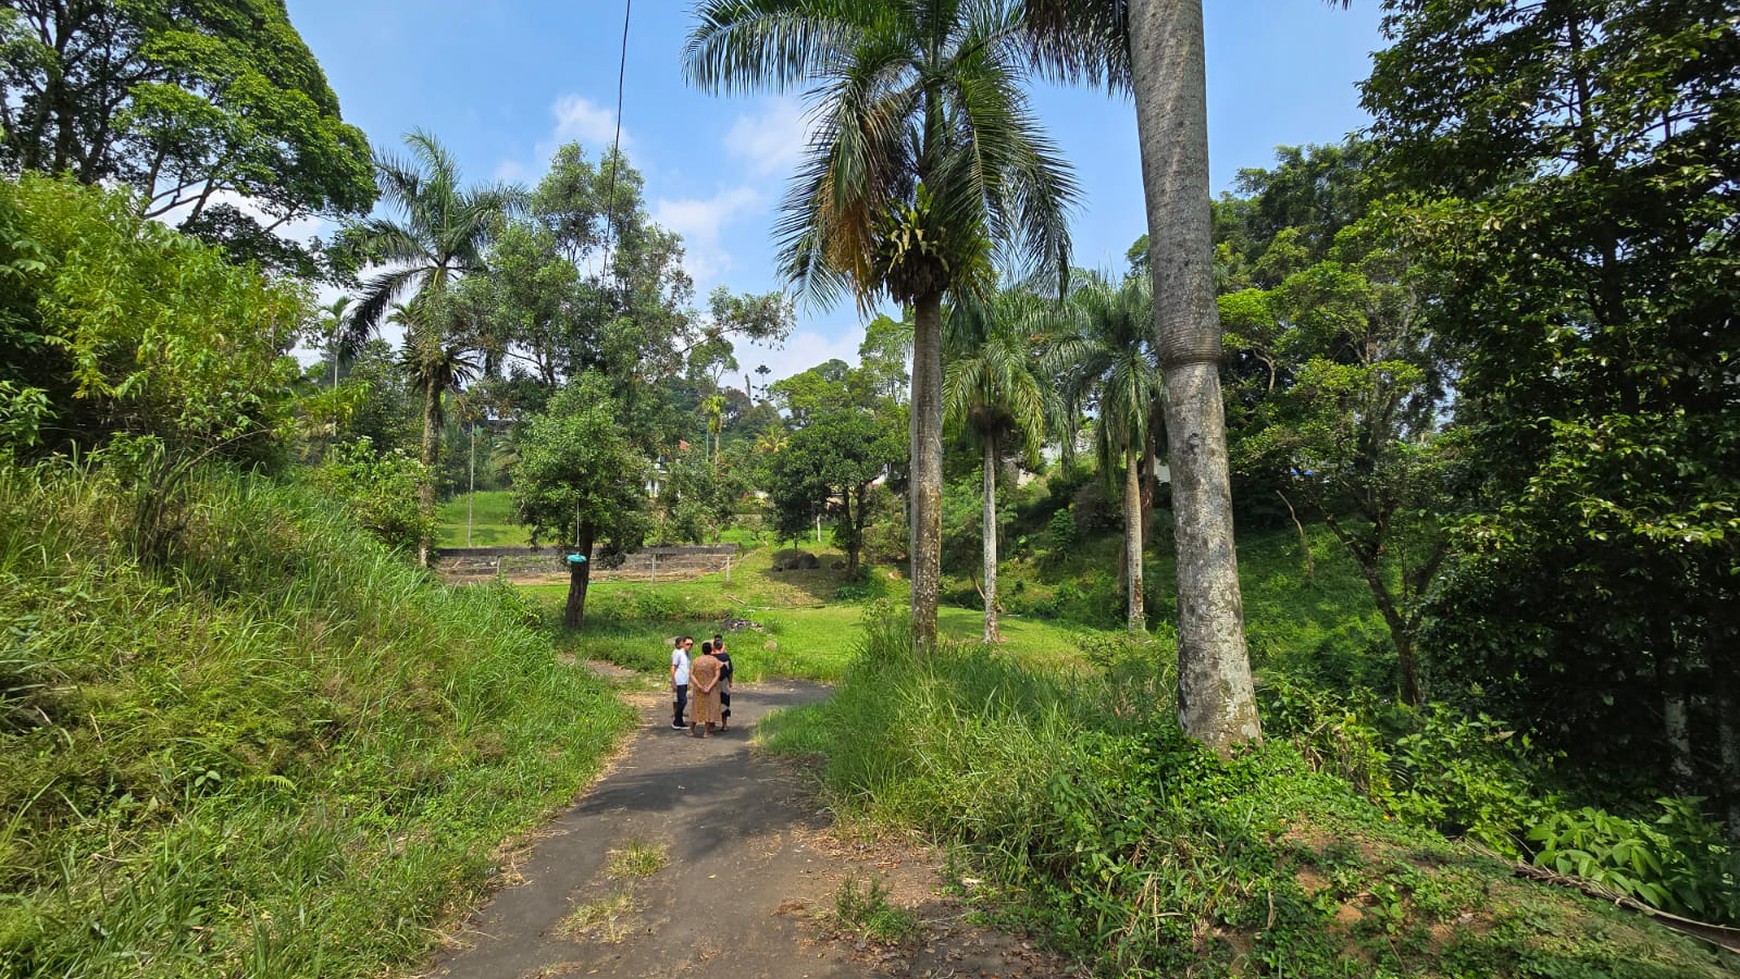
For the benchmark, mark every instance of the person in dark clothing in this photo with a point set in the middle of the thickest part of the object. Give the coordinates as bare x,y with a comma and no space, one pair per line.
724,679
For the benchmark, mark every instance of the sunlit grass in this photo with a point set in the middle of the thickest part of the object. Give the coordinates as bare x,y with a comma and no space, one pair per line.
492,521
608,919
278,750
637,858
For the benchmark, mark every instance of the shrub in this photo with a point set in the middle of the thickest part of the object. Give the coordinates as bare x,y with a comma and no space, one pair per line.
1094,822
380,491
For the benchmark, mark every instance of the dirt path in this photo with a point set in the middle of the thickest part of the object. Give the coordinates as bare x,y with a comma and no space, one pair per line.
752,874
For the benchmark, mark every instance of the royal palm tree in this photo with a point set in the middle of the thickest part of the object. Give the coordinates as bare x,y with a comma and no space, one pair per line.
438,362
924,160
991,384
1153,49
1107,357
335,321
441,233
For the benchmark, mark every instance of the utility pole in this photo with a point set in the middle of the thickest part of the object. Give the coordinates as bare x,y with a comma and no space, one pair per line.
471,488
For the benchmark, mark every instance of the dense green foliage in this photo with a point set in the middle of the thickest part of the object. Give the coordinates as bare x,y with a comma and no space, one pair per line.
126,326
279,751
197,104
1569,170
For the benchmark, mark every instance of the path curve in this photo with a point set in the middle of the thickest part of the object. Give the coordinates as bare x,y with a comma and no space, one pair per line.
751,866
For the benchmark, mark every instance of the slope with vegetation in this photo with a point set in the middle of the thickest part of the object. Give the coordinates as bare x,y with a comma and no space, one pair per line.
269,746
1082,812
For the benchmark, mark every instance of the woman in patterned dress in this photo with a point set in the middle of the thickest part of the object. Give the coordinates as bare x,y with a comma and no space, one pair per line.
704,680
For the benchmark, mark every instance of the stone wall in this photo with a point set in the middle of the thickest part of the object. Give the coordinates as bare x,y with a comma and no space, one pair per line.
531,563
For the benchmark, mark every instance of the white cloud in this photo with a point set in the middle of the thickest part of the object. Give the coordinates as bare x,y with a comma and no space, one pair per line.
579,118
700,222
804,349
576,119
771,141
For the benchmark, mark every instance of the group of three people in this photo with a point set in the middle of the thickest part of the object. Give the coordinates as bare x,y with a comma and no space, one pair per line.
708,678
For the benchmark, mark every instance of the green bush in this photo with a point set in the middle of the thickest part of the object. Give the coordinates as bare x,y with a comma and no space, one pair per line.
1679,861
380,491
126,325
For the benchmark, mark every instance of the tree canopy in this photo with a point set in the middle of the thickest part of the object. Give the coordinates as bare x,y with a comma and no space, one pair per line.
214,110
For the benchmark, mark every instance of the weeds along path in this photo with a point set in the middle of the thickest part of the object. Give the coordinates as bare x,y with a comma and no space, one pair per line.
701,856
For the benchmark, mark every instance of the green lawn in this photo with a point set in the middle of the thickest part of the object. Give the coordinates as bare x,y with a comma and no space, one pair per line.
810,621
492,521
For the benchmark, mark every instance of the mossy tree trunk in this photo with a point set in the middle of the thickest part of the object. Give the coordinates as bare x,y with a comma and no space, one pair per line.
926,477
1216,699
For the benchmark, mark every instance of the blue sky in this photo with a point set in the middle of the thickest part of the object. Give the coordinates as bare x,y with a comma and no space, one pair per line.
503,82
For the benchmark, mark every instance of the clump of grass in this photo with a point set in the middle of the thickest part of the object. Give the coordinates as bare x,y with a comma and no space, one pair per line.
863,910
637,858
609,919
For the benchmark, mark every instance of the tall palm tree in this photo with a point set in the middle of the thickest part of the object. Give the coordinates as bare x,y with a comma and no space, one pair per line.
441,233
1154,50
924,162
991,384
438,363
335,319
1108,358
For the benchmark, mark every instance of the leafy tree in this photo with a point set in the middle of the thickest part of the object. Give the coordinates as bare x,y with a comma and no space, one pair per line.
925,161
384,409
809,394
584,281
1571,168
827,468
126,326
991,385
196,103
1356,430
579,479
1105,358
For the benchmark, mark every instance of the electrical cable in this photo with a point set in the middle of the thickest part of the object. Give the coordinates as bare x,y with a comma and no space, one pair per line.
616,145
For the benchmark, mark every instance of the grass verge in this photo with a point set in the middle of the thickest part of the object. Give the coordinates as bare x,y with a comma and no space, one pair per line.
267,747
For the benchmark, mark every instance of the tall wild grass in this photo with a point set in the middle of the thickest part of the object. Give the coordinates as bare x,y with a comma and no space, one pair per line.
1089,818
264,747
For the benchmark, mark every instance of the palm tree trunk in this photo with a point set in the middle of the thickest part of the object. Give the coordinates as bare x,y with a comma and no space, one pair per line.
431,453
926,490
991,632
1138,616
1216,702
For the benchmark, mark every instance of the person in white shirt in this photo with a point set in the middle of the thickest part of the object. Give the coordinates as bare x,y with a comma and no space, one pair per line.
680,680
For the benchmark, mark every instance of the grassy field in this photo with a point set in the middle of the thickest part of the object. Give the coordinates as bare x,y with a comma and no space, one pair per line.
492,522
806,624
1082,814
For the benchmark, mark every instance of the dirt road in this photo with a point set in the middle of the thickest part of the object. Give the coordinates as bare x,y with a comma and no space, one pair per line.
749,876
